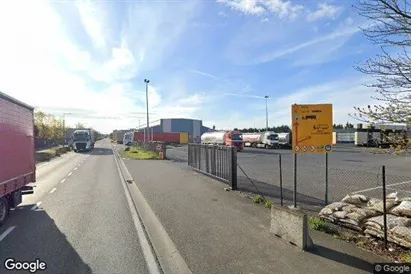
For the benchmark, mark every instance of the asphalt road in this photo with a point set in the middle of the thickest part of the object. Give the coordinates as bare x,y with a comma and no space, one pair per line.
350,170
77,221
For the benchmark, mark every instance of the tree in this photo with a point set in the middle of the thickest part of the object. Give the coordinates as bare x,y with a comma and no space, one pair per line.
391,30
339,126
349,125
80,126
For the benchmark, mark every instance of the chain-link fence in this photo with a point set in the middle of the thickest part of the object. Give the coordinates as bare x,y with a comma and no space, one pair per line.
316,183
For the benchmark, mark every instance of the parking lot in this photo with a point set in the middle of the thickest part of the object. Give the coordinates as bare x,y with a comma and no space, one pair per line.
350,170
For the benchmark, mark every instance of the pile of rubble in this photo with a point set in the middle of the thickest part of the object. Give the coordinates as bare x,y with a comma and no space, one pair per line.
365,215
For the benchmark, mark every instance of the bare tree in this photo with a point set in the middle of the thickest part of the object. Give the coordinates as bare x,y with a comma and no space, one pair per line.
390,29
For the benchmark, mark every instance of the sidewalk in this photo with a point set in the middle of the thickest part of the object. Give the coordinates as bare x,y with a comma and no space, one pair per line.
217,231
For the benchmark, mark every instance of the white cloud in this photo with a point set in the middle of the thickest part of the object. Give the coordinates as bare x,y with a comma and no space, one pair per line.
343,94
91,16
252,7
204,74
280,8
345,32
44,66
284,9
324,11
223,14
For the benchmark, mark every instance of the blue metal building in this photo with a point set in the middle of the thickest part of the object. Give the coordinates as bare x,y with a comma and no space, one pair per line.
194,127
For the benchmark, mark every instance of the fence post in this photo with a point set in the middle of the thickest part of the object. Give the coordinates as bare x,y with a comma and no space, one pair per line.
234,168
295,181
213,160
384,202
326,178
207,167
188,155
281,179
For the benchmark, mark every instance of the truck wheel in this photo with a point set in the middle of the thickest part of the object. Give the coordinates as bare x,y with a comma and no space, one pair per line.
4,210
266,146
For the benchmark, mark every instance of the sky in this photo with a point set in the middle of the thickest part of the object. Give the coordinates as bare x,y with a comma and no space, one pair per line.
208,60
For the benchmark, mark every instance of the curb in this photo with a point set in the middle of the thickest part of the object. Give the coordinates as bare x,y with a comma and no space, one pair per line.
167,254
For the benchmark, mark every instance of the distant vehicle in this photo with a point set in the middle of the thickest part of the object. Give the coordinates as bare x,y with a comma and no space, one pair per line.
17,161
83,139
118,136
266,139
285,139
378,135
128,138
225,138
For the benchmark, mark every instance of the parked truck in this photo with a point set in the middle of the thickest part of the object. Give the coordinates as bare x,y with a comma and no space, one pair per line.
84,139
285,139
225,138
266,139
128,138
17,153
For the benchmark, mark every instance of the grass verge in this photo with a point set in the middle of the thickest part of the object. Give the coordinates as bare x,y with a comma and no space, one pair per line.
47,155
139,154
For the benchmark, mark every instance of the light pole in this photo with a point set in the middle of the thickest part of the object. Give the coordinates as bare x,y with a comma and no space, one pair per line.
148,126
64,127
266,112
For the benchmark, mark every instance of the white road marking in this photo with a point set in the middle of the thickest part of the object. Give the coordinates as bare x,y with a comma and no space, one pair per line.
54,189
7,232
68,175
145,247
378,187
46,163
400,190
75,168
36,206
62,181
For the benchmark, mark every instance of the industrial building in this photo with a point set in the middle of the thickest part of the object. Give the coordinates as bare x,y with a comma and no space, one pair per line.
193,127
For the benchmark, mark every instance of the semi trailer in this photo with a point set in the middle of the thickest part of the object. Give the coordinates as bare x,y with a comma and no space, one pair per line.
230,138
17,153
266,139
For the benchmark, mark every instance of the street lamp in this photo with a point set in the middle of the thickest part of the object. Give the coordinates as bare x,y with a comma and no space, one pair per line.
148,126
64,127
266,112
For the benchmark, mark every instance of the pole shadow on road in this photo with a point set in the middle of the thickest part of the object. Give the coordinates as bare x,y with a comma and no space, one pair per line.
37,236
342,258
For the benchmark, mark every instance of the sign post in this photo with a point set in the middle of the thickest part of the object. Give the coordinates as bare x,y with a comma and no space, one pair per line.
312,133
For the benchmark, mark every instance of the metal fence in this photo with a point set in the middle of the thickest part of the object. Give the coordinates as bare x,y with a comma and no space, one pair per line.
316,183
217,161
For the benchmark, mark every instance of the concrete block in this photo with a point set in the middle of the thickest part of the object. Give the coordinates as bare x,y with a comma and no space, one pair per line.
291,225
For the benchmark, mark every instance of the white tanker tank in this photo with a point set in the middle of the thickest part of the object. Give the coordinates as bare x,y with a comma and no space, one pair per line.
223,138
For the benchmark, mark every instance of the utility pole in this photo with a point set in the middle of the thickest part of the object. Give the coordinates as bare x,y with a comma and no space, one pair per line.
266,112
148,126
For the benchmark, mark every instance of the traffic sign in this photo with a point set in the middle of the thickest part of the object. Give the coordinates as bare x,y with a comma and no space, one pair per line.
297,148
312,128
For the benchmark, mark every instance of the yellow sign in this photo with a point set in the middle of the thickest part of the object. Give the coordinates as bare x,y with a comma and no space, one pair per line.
312,128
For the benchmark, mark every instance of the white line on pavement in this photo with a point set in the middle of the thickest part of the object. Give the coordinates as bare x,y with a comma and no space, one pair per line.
75,168
7,232
54,189
398,190
145,247
68,175
378,187
36,206
62,181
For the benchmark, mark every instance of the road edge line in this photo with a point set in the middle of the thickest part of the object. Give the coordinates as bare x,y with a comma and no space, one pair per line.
146,248
167,253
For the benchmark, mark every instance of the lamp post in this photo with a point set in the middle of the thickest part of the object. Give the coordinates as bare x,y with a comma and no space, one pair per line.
266,112
64,127
148,126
